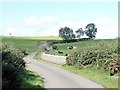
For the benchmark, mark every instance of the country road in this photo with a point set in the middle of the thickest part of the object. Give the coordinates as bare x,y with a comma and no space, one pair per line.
55,77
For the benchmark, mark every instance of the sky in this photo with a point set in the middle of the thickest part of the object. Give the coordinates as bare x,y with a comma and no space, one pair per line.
46,18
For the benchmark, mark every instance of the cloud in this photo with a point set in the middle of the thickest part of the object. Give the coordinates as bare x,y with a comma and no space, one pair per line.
50,25
30,20
103,21
107,28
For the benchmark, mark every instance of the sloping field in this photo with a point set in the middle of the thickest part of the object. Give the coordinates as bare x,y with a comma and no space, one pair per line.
26,42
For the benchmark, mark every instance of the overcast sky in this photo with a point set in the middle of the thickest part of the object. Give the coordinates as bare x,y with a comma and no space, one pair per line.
45,18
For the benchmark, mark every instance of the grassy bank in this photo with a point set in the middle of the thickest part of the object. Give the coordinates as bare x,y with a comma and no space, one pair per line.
99,76
81,45
31,80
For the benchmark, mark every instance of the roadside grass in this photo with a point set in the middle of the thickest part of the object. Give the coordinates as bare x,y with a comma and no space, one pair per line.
31,80
100,76
37,57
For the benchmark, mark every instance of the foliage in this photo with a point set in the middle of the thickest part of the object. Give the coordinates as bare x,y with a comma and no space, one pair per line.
37,57
91,30
66,33
101,57
32,80
79,32
22,43
14,74
99,76
12,62
54,46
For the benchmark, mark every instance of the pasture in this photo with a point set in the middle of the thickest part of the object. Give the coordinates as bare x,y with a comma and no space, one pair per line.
82,45
27,43
30,44
103,50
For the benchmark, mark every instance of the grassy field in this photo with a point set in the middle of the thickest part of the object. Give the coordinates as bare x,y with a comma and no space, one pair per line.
31,79
27,43
102,77
82,45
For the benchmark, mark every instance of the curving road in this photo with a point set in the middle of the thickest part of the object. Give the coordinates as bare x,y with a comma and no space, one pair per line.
55,77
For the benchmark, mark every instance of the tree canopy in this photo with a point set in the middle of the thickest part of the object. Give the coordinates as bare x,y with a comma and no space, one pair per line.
79,32
66,33
91,30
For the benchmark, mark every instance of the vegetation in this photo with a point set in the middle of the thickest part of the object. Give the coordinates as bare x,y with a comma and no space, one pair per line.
80,33
66,33
91,30
100,76
21,43
101,57
54,46
12,63
37,57
81,45
27,44
14,75
90,58
31,80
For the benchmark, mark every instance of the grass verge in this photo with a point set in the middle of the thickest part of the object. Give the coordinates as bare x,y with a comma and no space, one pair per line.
99,76
31,80
37,57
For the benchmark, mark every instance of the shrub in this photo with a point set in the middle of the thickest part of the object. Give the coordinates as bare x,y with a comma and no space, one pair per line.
24,51
71,47
102,57
12,63
60,52
54,46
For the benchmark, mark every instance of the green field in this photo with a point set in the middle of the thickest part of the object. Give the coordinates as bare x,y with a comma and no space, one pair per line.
27,43
98,75
30,44
102,77
83,45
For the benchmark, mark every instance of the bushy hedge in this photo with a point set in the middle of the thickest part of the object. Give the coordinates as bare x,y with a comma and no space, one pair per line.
12,63
102,57
54,46
51,42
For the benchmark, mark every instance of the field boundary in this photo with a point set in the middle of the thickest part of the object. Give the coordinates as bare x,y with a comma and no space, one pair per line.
54,58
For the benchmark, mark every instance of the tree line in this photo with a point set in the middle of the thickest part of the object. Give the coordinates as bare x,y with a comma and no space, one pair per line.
67,33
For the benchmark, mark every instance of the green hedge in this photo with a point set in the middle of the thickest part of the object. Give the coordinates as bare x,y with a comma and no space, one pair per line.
102,57
12,63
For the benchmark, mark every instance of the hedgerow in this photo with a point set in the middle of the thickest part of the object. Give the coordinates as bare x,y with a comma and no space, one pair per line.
12,63
100,57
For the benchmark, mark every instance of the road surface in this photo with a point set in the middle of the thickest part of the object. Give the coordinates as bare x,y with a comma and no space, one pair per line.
55,77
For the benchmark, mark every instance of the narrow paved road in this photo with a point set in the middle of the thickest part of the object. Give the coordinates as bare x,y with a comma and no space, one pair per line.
55,77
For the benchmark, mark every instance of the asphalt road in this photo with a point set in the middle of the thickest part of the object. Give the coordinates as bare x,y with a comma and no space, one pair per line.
55,77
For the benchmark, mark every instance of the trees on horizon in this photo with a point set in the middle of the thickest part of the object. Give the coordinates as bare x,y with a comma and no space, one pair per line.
67,33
